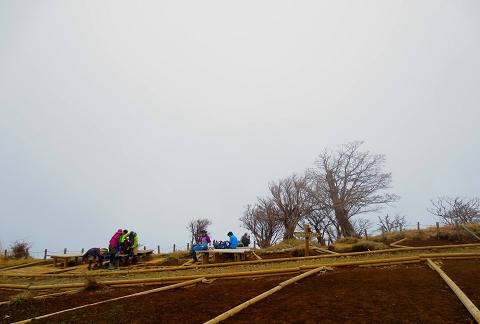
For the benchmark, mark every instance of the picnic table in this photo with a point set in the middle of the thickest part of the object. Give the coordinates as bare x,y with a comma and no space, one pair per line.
140,254
65,257
238,254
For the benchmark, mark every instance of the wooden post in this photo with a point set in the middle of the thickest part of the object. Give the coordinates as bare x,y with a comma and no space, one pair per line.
45,254
457,230
418,227
6,253
401,227
438,231
307,239
144,247
26,254
254,244
158,249
188,246
83,250
173,247
65,251
366,235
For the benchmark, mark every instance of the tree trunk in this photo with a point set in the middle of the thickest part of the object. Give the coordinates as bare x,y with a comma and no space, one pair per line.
289,230
340,212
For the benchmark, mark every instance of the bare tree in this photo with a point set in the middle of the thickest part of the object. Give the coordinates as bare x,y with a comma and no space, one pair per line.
196,226
460,210
350,182
261,219
292,201
391,224
360,225
323,224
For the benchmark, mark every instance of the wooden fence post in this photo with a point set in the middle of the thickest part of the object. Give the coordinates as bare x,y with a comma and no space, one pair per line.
26,254
307,239
158,249
6,253
45,254
438,231
65,251
366,235
173,247
418,227
144,247
457,230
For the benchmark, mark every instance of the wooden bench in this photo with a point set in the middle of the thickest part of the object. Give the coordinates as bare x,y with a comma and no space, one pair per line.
65,258
238,254
140,254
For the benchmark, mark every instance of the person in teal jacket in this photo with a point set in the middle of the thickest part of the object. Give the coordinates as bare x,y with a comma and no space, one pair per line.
233,241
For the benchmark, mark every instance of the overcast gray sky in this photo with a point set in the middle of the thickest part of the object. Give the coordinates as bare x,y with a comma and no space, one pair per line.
145,115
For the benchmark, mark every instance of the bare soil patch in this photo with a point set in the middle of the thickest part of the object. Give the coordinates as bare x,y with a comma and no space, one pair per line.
466,275
413,294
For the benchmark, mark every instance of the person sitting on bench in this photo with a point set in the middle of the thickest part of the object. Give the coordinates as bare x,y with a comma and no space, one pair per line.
233,241
203,245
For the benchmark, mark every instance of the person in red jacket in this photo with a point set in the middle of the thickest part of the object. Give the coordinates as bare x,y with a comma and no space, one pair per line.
114,247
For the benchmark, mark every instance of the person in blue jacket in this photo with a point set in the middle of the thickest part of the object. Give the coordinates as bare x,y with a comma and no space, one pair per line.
233,241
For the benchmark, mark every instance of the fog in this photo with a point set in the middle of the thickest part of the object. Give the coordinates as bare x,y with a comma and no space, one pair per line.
145,115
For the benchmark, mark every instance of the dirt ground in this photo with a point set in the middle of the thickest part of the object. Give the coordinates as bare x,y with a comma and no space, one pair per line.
191,305
412,294
404,293
466,275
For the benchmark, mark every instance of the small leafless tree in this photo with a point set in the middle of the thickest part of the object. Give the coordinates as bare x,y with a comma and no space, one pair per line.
292,201
322,221
20,249
460,210
350,182
196,226
262,220
391,224
361,225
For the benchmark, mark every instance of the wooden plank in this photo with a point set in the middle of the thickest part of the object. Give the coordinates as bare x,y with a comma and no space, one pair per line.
255,255
470,232
460,294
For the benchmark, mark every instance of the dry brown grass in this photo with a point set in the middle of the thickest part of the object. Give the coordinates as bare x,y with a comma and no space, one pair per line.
356,245
446,233
21,298
288,244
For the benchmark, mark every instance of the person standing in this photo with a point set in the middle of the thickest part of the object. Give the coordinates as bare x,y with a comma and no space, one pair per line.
114,248
124,245
133,250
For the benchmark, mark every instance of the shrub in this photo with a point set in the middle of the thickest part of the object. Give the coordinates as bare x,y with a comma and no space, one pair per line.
19,249
367,246
21,298
91,284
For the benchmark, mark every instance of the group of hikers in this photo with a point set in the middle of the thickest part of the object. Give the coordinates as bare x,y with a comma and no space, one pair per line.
204,241
123,243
